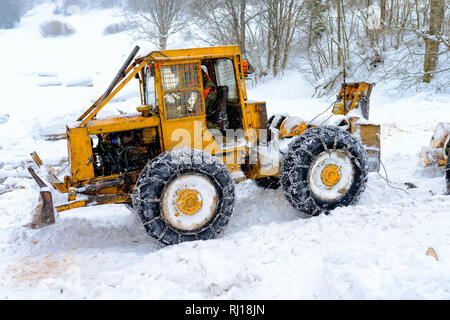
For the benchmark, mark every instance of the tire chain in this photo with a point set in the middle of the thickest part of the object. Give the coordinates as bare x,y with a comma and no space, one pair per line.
311,136
176,170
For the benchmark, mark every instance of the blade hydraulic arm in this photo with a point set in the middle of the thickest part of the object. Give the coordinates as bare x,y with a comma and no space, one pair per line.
109,93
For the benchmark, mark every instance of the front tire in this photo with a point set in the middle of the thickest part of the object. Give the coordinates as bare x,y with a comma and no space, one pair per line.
184,195
324,168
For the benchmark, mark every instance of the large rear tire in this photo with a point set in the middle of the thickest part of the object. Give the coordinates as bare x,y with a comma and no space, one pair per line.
324,168
184,195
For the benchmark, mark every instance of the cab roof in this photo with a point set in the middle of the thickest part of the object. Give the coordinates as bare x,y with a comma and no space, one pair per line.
193,53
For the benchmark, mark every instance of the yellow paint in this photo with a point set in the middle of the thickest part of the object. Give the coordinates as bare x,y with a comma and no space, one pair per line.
294,131
72,205
192,53
255,118
370,138
122,123
189,202
353,93
36,159
331,175
93,201
80,154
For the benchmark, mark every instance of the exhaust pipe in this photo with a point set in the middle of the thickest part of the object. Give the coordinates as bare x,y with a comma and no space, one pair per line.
45,212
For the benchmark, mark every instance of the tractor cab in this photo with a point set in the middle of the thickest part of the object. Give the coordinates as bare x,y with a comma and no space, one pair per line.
173,83
184,91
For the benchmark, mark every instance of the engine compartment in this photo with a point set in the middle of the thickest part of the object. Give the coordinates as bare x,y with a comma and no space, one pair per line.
124,151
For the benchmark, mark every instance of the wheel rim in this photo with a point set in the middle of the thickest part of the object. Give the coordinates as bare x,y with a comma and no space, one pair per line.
189,202
331,175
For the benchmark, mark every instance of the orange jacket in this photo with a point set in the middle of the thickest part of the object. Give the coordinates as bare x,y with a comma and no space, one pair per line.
208,84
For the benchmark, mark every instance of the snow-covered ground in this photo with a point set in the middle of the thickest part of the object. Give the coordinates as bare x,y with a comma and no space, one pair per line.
373,250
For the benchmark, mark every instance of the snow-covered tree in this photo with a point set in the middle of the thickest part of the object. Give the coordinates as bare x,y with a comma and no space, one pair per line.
10,13
157,20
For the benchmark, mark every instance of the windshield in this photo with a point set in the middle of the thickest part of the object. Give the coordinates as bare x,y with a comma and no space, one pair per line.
226,77
149,86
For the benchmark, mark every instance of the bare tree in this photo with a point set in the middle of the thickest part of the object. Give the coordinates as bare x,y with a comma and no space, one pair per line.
408,42
225,21
10,13
437,9
157,20
282,18
312,24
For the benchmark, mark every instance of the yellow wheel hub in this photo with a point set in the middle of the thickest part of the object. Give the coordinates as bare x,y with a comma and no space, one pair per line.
188,202
331,175
294,131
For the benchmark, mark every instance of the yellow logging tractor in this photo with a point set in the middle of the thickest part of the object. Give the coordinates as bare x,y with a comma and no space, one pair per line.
175,161
437,154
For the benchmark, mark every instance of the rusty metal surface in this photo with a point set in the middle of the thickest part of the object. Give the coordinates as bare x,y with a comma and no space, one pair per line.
263,120
36,178
101,185
45,213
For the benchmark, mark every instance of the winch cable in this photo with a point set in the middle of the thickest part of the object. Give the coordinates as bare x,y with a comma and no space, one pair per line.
326,120
388,182
328,108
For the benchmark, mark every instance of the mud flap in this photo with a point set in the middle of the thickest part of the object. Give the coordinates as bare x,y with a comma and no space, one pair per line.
45,212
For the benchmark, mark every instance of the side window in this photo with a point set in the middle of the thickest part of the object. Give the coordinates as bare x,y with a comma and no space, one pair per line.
181,90
226,77
150,95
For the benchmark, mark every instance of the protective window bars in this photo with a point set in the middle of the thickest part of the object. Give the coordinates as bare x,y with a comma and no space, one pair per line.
181,90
